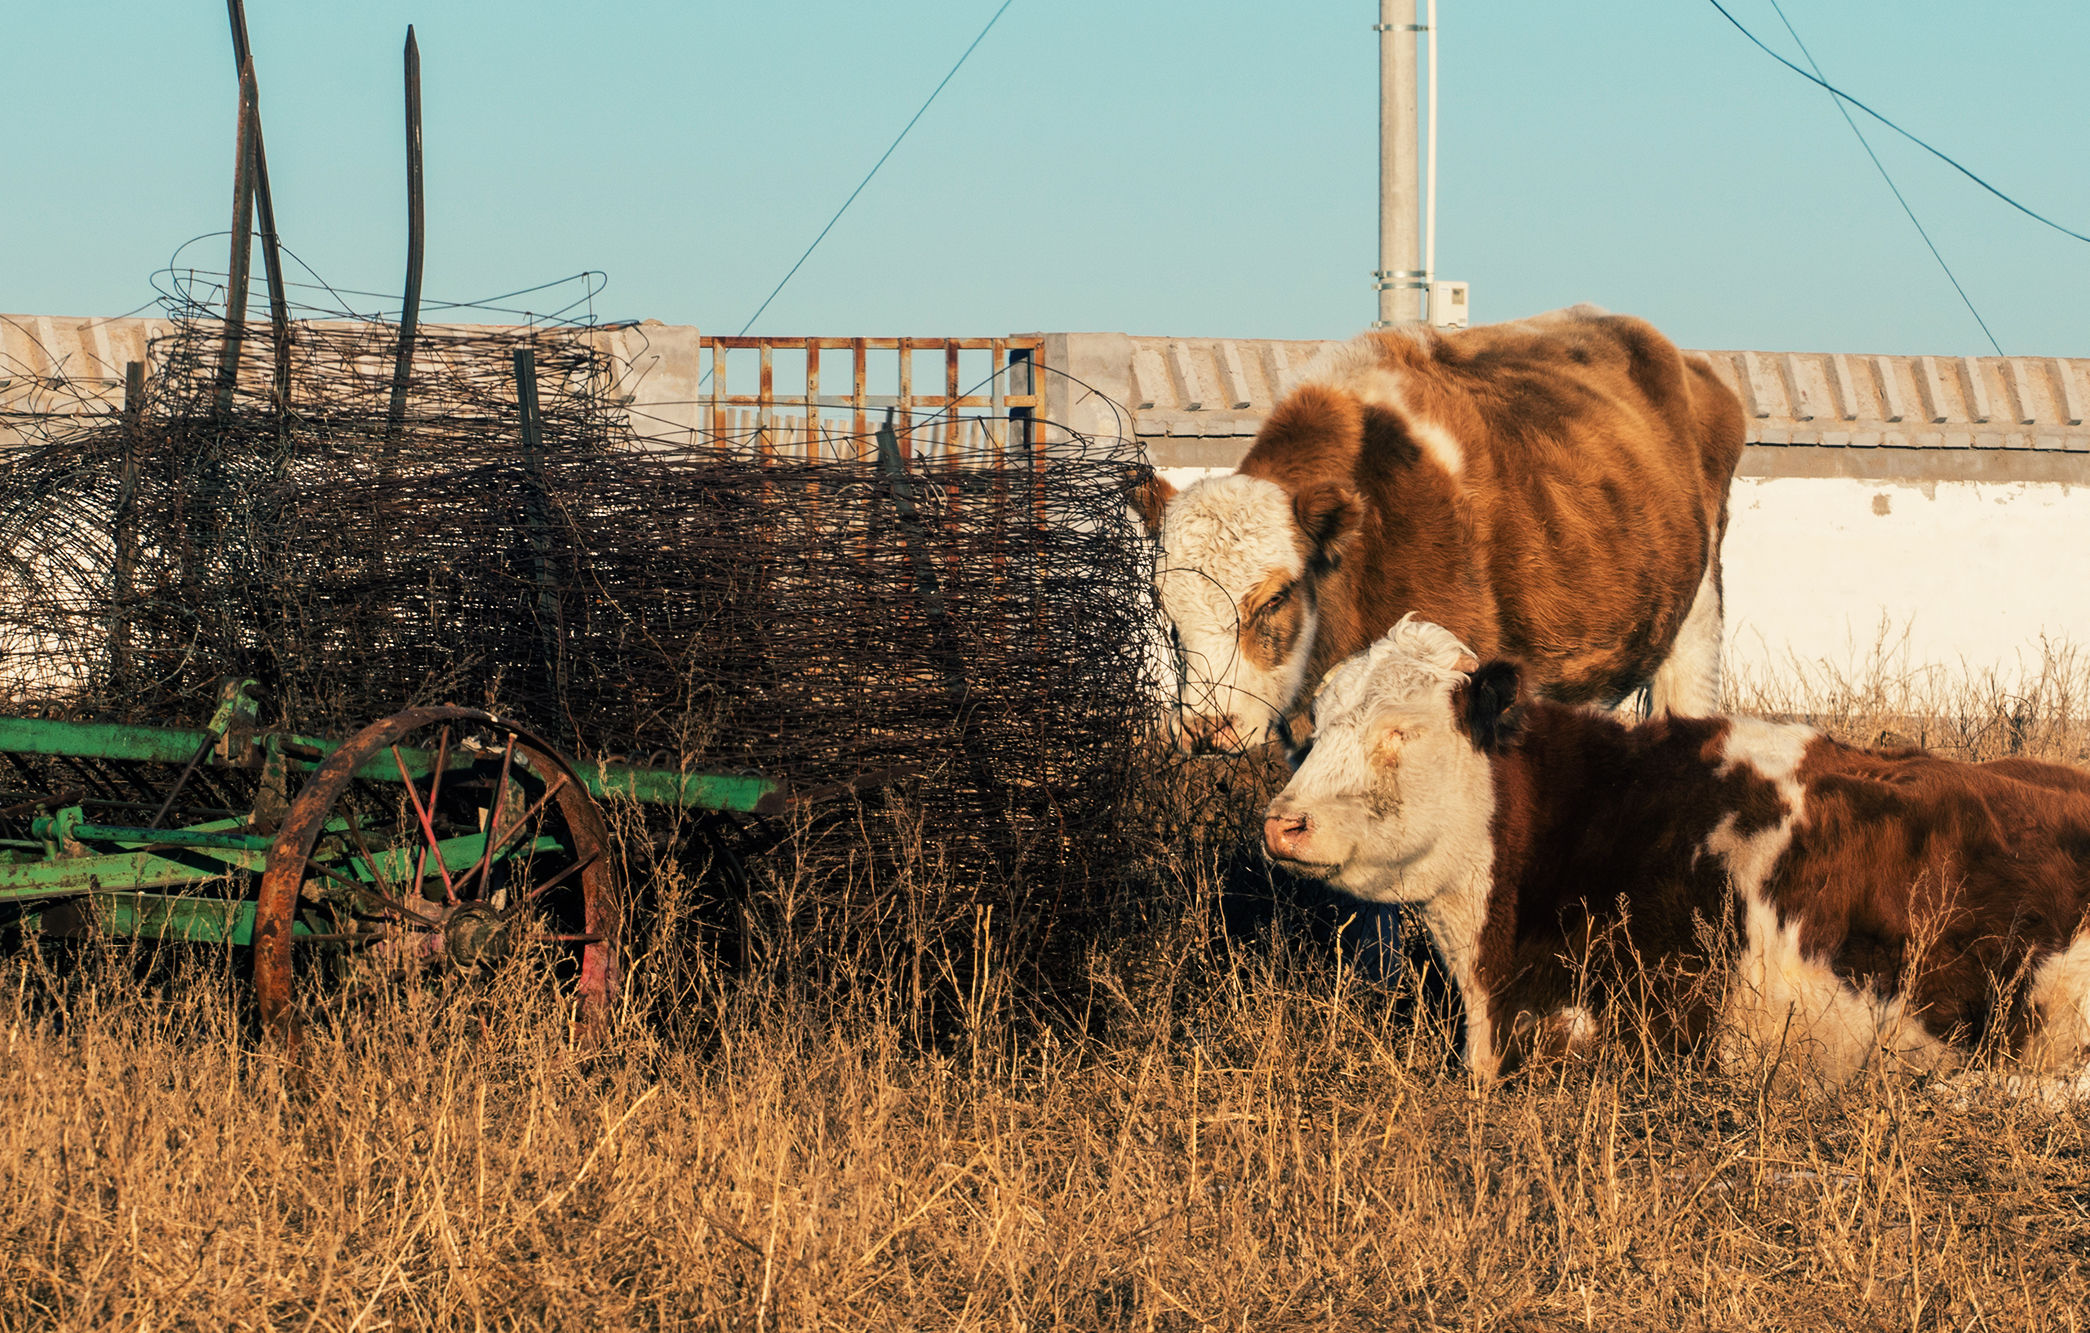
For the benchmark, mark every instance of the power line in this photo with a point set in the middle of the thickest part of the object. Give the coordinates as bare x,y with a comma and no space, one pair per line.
874,169
1843,96
1844,111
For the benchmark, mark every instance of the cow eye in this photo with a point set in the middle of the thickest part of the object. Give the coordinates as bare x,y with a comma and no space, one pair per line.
1295,755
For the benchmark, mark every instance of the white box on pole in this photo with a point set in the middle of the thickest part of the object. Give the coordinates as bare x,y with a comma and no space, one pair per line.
1448,305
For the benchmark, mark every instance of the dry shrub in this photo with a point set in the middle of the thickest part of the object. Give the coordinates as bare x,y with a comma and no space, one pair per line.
2038,708
1220,1136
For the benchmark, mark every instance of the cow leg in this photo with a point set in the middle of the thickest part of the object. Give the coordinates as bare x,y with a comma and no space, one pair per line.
1688,681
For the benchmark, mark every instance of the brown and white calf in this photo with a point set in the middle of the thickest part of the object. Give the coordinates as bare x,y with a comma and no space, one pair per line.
1553,489
1751,883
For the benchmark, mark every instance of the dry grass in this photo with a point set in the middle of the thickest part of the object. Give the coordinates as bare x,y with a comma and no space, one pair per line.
2039,708
1227,1139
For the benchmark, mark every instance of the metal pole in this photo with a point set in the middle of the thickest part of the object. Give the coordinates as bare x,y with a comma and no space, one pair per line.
1399,275
1429,232
265,207
551,618
125,522
242,241
410,310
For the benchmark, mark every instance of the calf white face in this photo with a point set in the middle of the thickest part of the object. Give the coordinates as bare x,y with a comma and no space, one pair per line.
1392,800
1236,579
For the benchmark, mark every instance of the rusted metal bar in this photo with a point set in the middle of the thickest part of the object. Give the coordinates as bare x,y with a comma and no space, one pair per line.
951,396
812,396
767,390
410,308
242,241
265,208
719,399
859,352
906,438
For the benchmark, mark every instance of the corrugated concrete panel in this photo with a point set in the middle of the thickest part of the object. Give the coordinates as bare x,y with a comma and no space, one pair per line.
1199,400
1840,400
1196,388
1834,399
58,363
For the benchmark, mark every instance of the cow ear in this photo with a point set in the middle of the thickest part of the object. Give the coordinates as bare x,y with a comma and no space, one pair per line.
1149,497
1490,705
1328,514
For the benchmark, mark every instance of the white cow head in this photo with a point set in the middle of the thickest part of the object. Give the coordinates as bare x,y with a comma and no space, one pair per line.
1392,799
1241,558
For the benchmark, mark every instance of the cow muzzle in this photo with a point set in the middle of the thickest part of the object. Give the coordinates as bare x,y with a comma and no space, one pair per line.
1284,836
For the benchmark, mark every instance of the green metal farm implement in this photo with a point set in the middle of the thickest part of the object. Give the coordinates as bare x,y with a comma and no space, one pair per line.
438,835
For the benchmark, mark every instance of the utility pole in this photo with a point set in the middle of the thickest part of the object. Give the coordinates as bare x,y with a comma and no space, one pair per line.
1400,278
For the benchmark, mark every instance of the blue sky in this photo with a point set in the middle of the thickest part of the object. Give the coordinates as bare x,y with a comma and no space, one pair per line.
1200,169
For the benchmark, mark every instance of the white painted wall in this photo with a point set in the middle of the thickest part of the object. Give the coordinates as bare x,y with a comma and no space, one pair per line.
1956,574
1959,572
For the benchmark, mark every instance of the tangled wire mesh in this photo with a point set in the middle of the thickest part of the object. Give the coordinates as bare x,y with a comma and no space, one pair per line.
969,633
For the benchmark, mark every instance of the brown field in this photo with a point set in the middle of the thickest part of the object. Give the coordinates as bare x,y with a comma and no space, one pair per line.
1249,1138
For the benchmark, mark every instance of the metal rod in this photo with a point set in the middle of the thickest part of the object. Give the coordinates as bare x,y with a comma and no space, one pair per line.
1399,273
410,309
242,239
210,738
427,830
1429,232
174,837
493,818
265,207
550,616
125,519
499,842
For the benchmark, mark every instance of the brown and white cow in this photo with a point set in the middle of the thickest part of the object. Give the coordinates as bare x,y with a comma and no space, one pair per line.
1753,883
1553,489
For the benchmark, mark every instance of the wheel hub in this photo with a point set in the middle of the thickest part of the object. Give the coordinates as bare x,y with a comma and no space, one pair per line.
478,932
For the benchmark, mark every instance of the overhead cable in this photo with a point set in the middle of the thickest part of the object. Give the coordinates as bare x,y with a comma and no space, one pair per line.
874,169
1864,143
1841,95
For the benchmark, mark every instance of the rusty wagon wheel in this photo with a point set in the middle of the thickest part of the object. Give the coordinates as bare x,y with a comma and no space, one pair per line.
473,842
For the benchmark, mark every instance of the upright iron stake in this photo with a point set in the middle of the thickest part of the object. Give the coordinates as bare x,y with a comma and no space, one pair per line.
550,615
410,311
125,573
242,240
264,204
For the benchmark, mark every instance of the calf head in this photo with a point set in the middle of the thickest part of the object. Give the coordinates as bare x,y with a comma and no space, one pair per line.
1392,800
1242,562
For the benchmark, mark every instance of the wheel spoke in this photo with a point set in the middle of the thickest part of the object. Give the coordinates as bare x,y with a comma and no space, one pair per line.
493,820
435,787
493,849
427,831
377,870
556,880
